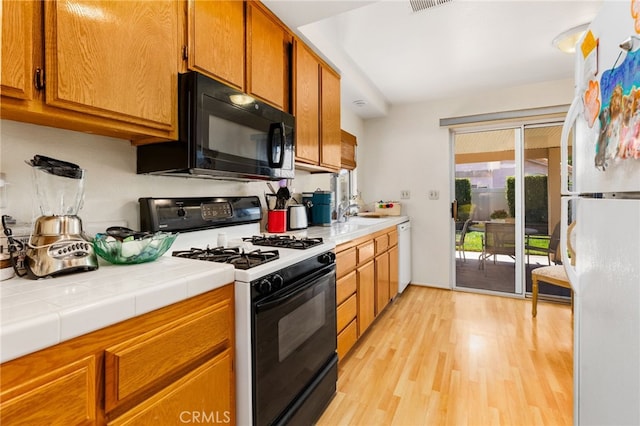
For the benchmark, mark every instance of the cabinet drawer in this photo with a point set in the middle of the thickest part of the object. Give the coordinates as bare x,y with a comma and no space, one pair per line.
382,243
393,238
151,358
366,252
346,312
345,261
206,391
346,286
347,339
63,397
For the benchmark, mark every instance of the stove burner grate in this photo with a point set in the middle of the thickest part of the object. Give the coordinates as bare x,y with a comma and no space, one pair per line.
236,256
283,241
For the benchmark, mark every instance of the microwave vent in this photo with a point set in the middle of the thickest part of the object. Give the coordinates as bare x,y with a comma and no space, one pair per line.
418,5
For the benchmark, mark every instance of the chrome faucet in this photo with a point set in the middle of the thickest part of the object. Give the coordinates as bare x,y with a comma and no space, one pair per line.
344,210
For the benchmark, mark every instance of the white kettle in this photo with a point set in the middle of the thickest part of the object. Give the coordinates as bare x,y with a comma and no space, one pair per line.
297,217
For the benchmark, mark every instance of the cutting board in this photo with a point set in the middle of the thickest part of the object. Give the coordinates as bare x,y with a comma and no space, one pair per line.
370,214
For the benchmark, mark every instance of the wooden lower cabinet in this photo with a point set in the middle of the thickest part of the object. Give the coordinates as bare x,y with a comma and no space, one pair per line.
366,296
203,396
347,338
393,271
156,368
347,312
367,271
64,396
382,282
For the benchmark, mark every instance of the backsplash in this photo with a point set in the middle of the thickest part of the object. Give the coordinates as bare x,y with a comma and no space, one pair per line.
112,185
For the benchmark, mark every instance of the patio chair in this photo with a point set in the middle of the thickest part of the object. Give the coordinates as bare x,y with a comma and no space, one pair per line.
499,239
553,274
551,251
460,240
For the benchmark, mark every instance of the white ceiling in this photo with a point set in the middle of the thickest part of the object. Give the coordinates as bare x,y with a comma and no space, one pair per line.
387,54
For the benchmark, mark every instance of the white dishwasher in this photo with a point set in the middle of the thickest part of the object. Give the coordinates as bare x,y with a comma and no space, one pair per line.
404,255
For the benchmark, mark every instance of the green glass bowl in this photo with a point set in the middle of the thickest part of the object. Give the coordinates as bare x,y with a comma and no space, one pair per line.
131,251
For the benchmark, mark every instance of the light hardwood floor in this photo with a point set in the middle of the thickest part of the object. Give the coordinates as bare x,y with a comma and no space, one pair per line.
440,357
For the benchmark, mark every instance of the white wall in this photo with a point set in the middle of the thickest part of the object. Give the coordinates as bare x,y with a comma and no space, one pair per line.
112,185
404,150
408,150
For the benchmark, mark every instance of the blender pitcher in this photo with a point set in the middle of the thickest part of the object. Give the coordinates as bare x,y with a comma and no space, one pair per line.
59,186
58,245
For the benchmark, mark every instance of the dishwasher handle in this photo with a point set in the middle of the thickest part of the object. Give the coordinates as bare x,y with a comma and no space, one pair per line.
405,226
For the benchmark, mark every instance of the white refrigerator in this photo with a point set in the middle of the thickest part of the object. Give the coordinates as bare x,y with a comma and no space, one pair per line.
601,194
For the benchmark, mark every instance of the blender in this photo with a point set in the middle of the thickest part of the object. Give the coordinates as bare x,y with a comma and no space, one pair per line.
58,245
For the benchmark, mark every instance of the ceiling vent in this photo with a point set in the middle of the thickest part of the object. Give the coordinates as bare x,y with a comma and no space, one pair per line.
418,5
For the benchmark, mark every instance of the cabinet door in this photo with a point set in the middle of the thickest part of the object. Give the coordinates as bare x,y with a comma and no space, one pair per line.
331,145
346,286
62,397
346,261
144,361
366,296
393,272
20,38
347,338
382,282
216,40
203,396
93,52
307,104
267,57
348,145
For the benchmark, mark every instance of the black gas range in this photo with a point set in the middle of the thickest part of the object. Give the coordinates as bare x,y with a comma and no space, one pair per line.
238,257
284,241
285,303
242,258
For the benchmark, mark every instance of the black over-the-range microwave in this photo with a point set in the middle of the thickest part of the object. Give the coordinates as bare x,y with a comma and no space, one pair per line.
224,134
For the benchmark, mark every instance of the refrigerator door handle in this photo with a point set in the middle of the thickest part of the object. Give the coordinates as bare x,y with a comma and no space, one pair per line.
572,115
566,260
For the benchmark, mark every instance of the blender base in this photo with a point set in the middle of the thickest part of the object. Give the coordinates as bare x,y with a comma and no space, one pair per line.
58,246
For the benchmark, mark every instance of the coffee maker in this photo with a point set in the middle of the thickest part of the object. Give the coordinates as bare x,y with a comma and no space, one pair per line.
58,245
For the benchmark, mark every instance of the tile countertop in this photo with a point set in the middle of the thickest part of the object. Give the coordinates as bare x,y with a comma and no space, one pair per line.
353,228
36,314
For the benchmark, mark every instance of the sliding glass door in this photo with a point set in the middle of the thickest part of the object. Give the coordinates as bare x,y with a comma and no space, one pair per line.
507,188
542,204
485,172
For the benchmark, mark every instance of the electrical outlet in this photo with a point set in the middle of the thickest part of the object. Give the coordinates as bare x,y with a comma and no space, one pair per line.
404,194
434,194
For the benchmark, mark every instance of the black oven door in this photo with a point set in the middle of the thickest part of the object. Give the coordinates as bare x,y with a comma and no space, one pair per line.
294,336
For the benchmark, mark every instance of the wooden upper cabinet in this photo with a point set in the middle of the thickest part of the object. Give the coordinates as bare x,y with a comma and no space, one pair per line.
113,59
20,35
307,104
330,153
268,57
215,39
102,67
348,144
317,111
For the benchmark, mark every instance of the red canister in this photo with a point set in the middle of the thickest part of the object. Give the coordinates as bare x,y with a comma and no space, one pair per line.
277,221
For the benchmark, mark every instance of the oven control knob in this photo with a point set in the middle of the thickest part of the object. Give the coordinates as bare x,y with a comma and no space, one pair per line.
327,258
276,282
264,286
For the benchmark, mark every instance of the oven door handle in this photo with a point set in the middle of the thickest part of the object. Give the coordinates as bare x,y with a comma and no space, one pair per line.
277,299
